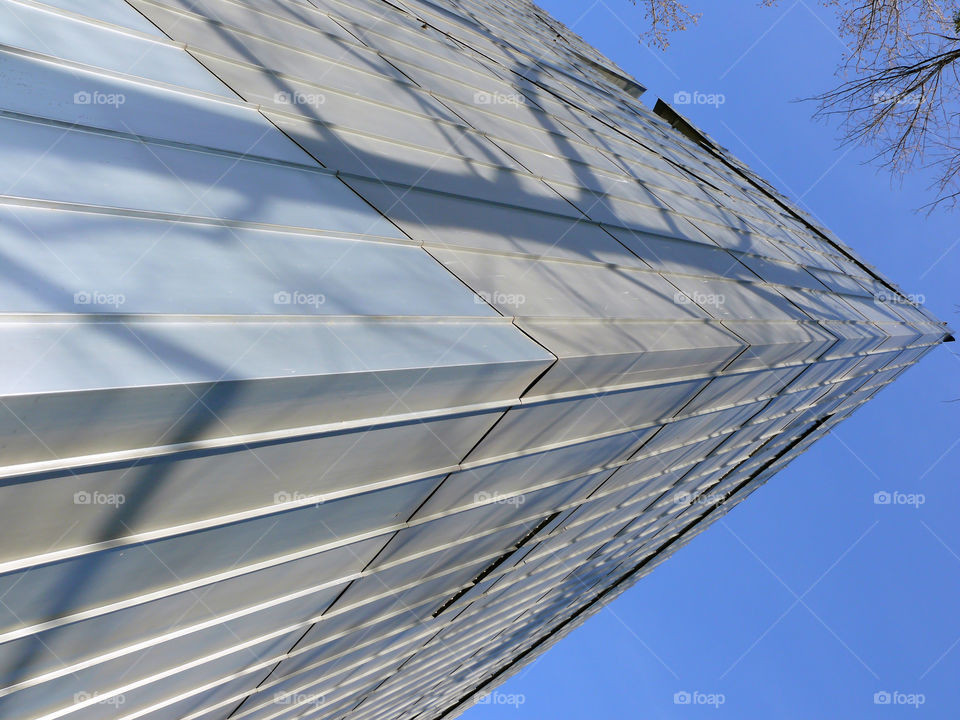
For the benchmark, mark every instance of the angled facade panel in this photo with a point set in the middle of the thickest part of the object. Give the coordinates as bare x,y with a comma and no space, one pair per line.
359,351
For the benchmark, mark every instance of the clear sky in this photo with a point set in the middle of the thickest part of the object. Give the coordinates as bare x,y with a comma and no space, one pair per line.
808,598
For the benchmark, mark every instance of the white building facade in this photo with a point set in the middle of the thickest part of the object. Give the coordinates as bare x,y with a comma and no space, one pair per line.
358,351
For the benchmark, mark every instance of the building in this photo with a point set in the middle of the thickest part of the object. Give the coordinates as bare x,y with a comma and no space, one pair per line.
357,351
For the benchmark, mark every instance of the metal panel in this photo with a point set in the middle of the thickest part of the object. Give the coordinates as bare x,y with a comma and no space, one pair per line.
133,107
175,383
45,31
314,580
114,12
547,289
179,274
536,425
131,572
173,180
194,485
605,354
438,219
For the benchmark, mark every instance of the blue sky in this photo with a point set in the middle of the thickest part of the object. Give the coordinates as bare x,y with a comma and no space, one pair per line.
809,598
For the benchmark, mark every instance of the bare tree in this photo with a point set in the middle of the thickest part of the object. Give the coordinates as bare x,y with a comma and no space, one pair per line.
664,17
900,86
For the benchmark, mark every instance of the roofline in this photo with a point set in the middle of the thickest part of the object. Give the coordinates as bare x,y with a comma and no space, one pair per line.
686,128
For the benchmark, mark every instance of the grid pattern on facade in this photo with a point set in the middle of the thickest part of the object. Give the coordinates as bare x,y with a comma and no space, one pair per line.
361,350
